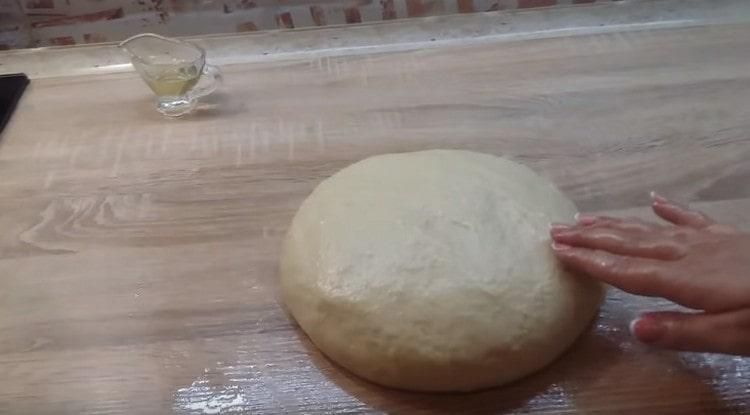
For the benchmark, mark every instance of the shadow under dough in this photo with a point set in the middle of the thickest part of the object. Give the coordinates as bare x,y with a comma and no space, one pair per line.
595,375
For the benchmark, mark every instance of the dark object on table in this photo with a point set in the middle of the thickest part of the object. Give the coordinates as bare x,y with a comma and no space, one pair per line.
11,89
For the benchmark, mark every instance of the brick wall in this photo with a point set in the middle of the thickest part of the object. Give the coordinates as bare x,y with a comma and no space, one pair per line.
32,23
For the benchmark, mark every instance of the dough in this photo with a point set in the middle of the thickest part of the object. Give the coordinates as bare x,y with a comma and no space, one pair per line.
432,271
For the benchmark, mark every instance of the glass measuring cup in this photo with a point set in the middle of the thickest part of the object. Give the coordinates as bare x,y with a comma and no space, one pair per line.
176,71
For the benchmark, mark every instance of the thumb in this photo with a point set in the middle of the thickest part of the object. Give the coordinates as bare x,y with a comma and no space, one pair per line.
727,332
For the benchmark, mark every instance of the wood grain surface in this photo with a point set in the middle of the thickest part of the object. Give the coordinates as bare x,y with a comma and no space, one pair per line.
138,254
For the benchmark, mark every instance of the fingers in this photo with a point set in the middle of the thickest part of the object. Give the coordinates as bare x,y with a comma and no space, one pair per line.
678,215
623,238
635,275
634,224
727,332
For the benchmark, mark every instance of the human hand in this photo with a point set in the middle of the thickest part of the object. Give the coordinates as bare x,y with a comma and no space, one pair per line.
692,261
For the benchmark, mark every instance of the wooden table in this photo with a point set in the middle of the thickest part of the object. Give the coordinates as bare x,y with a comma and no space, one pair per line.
138,254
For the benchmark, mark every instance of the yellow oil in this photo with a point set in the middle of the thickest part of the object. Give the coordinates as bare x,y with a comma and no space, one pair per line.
172,80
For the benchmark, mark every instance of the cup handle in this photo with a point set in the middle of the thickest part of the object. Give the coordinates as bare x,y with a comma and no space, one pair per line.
213,79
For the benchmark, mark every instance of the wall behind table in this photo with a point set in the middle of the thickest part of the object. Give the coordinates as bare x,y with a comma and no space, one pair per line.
33,23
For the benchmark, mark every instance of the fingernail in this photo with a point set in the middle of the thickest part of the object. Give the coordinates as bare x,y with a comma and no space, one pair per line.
658,198
584,219
558,227
647,329
557,246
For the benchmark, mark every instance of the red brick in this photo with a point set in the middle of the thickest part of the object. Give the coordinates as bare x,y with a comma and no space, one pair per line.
246,4
389,9
465,6
417,8
284,20
40,4
246,27
351,14
109,14
94,38
522,4
318,15
62,41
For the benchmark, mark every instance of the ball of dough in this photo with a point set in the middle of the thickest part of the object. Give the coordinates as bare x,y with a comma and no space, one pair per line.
432,271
